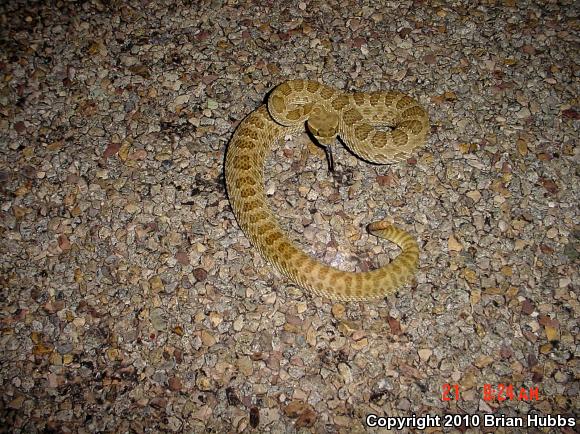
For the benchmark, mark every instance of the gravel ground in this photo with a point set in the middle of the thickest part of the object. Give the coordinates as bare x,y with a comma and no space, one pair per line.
131,300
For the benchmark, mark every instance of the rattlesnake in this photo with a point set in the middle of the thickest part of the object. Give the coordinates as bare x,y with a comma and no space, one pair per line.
327,112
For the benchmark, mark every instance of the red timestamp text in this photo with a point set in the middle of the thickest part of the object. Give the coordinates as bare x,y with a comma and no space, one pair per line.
507,392
498,393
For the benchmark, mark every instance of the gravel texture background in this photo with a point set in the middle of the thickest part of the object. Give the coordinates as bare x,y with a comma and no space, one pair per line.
132,302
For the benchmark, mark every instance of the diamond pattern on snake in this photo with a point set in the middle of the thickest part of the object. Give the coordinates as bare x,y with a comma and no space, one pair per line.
327,113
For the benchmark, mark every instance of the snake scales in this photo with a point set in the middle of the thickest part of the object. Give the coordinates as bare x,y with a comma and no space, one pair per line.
327,113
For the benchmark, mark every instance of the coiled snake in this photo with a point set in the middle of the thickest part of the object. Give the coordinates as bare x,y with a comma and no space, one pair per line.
327,113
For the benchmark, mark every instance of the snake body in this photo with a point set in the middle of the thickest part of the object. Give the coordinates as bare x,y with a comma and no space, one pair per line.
327,113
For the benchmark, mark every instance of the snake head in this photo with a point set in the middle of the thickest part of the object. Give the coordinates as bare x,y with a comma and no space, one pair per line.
323,125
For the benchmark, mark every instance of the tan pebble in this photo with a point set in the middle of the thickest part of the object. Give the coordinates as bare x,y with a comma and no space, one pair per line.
425,353
156,283
483,361
522,147
207,338
215,319
181,99
338,310
311,337
512,292
466,148
475,297
506,270
132,207
301,307
138,154
112,354
269,298
552,333
466,395
56,359
438,310
174,238
238,323
347,327
450,96
470,275
338,343
359,345
343,421
474,195
245,365
162,156
203,383
454,245
345,372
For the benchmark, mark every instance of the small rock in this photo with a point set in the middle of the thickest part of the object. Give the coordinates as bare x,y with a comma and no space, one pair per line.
156,284
157,320
203,383
207,338
453,245
215,319
483,361
200,274
424,354
174,384
338,310
524,113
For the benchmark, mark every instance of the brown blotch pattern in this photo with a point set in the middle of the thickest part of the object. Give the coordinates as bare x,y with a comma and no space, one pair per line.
340,102
348,281
247,192
359,98
405,101
399,138
326,92
297,85
277,103
412,125
351,116
390,98
362,131
294,115
380,139
375,98
285,88
242,163
312,86
247,181
322,272
245,144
